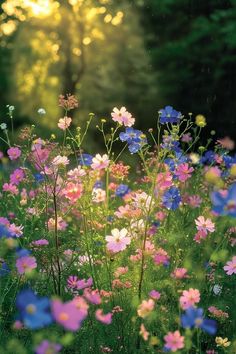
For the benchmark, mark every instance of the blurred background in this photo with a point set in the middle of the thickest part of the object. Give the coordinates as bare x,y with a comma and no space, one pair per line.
143,54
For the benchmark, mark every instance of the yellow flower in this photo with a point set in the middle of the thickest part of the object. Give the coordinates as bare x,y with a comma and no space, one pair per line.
200,120
222,342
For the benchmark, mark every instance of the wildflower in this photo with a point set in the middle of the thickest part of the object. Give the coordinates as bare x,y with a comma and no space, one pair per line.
134,138
183,172
200,121
61,224
85,159
189,298
186,138
224,202
169,115
26,264
174,341
82,284
122,190
161,257
64,123
46,347
106,319
11,188
145,308
118,241
171,198
100,162
98,195
226,143
163,181
119,170
200,235
194,201
222,342
122,116
143,332
92,296
60,160
17,176
39,243
73,191
120,271
14,153
179,273
217,289
218,313
154,294
34,310
68,315
193,318
230,267
204,224
68,102
76,173
41,111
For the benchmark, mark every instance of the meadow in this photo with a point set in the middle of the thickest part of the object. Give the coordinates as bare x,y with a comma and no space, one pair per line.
99,255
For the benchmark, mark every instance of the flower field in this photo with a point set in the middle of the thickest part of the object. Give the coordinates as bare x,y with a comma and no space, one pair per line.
130,249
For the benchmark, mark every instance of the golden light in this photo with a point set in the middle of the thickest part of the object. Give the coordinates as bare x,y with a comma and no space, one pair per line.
40,8
87,40
8,28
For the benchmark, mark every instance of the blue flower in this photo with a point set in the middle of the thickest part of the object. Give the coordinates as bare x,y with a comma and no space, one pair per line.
169,115
193,318
34,311
85,159
4,232
208,157
98,184
171,198
4,269
225,204
38,177
22,252
135,139
122,190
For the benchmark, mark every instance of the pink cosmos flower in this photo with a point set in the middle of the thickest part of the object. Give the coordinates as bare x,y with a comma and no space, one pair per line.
230,266
161,257
179,273
143,332
76,173
60,160
194,201
82,284
72,281
106,319
68,314
154,294
100,162
145,308
98,195
17,176
64,123
186,138
164,181
39,243
92,296
73,191
61,224
14,153
183,172
174,341
120,271
11,188
16,230
118,241
122,116
200,235
189,298
26,264
204,224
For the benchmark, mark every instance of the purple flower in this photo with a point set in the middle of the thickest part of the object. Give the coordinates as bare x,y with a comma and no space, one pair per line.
46,347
